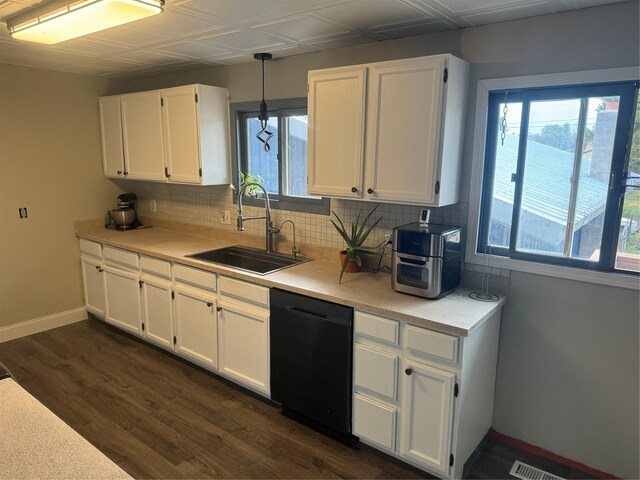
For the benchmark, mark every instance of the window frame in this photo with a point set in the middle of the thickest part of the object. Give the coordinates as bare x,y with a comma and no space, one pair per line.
240,111
478,180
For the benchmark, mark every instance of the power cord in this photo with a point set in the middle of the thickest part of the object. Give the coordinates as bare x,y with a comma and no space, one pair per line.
382,254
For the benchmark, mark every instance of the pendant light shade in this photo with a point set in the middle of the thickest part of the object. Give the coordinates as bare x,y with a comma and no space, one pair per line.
58,21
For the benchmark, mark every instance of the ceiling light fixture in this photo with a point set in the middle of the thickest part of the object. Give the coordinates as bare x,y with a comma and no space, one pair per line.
60,20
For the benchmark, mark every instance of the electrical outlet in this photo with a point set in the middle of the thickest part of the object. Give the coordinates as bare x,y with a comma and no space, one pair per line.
225,216
387,237
152,205
22,212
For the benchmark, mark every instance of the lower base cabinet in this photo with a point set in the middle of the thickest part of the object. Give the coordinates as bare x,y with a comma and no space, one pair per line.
196,331
157,311
123,299
93,283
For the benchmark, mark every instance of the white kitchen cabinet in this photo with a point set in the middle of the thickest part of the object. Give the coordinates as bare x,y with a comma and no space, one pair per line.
93,284
177,135
336,113
142,133
243,327
157,309
421,395
427,415
196,329
113,161
123,299
415,112
123,289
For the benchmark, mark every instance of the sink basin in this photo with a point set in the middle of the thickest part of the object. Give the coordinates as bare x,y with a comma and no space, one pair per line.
251,259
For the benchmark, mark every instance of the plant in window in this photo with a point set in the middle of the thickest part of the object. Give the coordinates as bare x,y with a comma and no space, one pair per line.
252,191
354,238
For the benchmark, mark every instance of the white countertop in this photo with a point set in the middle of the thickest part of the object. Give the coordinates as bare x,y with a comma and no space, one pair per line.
34,443
456,313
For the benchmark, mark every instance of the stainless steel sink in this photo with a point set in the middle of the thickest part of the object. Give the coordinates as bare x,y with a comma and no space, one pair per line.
251,259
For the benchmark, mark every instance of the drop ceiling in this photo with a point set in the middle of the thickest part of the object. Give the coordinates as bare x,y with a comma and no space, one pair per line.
197,34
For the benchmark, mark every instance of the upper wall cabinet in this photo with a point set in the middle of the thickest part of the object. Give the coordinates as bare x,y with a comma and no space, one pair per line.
410,148
178,135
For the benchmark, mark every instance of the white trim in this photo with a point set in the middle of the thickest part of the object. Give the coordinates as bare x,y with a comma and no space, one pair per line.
37,325
477,168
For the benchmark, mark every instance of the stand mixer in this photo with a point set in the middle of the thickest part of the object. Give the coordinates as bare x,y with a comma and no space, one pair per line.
125,214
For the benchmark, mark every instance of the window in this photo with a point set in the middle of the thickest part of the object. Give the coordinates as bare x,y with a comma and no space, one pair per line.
282,170
561,176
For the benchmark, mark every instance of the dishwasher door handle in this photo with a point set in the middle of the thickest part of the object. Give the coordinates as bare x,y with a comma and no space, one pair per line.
320,316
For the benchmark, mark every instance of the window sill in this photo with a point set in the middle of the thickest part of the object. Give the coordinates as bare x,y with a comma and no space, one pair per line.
611,279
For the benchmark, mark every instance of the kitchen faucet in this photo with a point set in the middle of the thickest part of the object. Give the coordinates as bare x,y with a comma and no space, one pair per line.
294,249
270,230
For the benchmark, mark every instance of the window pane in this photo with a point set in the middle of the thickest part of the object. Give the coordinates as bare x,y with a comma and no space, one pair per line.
259,162
296,156
505,164
628,254
564,192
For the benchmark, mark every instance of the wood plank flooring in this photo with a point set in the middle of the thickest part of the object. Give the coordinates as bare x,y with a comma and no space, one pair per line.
157,416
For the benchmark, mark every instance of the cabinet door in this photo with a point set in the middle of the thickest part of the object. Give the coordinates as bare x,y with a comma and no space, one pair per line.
157,312
196,334
336,114
111,130
123,299
143,139
403,131
181,134
244,346
427,416
93,283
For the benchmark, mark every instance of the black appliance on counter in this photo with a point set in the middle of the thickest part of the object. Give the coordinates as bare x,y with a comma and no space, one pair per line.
311,351
426,259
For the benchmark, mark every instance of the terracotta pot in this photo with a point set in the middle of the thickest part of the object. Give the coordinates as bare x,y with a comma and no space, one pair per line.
352,266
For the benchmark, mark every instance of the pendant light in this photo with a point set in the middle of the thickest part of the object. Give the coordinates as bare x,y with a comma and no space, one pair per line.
264,116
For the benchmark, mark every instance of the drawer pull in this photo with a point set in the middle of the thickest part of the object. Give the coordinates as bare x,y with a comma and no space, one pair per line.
354,190
219,309
209,304
408,371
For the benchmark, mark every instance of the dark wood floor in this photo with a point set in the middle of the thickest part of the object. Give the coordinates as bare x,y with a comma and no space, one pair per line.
157,416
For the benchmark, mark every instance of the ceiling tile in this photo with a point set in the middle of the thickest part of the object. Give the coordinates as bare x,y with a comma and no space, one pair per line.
118,64
191,66
151,57
302,28
192,49
346,41
246,40
234,12
90,47
128,37
372,14
412,29
175,24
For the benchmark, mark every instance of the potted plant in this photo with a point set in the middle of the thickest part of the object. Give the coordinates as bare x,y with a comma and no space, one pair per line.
354,238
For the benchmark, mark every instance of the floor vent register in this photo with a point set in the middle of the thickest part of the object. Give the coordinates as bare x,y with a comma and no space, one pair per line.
527,472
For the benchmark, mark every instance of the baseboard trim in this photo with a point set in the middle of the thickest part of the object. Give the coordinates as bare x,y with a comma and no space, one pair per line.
37,325
551,456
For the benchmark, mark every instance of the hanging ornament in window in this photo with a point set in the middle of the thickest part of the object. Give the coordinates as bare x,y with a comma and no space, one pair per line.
503,126
263,135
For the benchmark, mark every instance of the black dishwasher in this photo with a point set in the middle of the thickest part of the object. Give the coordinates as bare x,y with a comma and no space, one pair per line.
311,347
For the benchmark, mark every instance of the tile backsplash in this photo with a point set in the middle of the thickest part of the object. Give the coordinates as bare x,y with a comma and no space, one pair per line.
205,206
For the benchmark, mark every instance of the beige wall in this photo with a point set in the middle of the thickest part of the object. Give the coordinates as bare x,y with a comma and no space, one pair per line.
50,162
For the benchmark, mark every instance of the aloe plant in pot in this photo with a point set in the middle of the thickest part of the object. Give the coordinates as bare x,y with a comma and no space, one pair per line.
354,238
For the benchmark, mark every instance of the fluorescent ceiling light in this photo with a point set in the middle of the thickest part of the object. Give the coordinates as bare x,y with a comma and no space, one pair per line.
59,21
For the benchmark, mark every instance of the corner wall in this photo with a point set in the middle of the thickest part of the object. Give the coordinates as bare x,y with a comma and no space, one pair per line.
51,163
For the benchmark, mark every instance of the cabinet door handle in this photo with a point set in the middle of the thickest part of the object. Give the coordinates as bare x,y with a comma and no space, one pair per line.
100,270
408,371
97,267
119,172
209,304
126,173
354,190
370,191
219,309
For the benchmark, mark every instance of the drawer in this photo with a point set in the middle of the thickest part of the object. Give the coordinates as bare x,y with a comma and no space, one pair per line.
93,249
195,277
121,257
432,343
376,371
155,266
245,291
374,422
377,327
